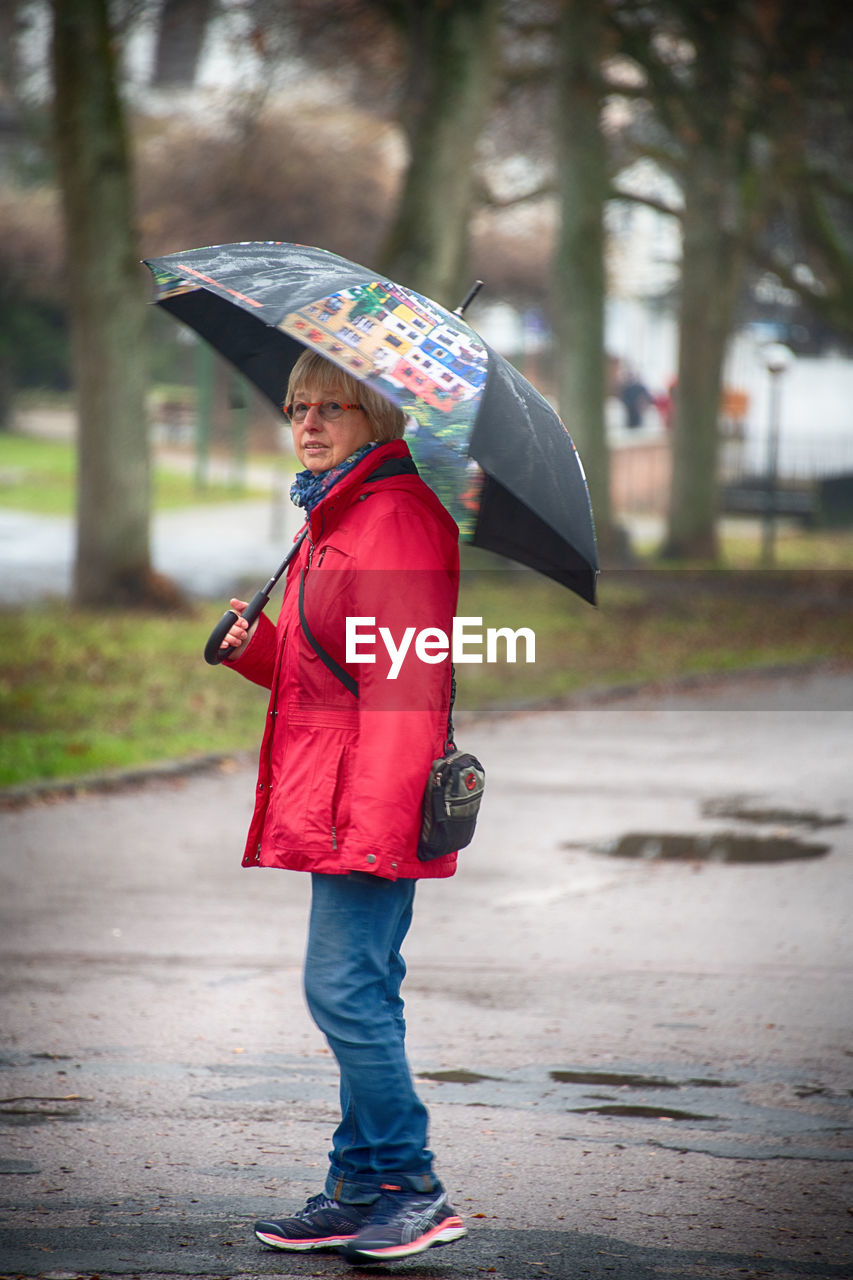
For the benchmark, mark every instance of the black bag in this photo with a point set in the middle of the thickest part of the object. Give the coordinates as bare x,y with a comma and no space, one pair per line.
452,798
455,784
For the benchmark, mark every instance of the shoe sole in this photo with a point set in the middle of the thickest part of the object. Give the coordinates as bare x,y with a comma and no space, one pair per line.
303,1246
445,1233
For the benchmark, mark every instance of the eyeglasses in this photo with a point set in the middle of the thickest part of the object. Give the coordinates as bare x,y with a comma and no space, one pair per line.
330,410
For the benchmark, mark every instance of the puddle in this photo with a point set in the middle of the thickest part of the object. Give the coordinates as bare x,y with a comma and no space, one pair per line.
647,1113
635,1081
607,1105
718,846
820,1091
35,1115
31,1109
22,1167
460,1076
743,810
653,1102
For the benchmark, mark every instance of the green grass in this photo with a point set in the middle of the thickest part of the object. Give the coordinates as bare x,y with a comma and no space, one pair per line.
651,626
85,692
92,691
39,475
739,541
795,548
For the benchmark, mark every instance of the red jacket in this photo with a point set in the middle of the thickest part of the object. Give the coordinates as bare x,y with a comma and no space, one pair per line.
341,778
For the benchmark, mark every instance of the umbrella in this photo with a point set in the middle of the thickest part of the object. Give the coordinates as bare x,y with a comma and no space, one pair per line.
492,448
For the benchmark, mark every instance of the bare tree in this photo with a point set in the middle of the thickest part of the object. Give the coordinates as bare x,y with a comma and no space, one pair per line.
316,177
729,85
579,276
808,242
106,309
550,115
429,67
10,29
32,338
180,38
450,81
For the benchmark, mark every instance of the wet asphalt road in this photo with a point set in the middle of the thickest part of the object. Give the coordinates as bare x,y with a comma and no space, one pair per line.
637,1066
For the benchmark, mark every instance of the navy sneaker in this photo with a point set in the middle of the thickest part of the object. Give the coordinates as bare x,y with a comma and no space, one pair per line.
403,1223
322,1224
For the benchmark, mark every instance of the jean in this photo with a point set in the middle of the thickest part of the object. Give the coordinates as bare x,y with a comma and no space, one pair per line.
353,974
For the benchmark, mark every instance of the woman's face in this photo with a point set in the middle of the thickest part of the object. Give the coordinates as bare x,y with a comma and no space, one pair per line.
321,444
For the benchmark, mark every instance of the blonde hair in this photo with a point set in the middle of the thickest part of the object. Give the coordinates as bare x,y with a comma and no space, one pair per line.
314,371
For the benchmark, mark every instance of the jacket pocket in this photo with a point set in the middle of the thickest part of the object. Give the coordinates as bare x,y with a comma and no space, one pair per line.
310,804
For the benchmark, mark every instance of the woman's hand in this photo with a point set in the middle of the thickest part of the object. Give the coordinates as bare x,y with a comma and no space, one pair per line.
240,633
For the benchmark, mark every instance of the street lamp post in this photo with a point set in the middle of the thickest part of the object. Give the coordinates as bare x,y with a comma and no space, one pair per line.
777,360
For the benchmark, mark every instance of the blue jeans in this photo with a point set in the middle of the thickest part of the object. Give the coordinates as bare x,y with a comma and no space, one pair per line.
353,974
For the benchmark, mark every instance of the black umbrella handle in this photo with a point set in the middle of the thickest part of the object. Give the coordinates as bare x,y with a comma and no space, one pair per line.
215,651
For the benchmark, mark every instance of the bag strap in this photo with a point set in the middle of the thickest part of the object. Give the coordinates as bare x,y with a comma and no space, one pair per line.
449,744
346,679
335,667
393,467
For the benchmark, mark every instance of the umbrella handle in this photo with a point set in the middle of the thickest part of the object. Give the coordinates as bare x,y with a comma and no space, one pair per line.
215,651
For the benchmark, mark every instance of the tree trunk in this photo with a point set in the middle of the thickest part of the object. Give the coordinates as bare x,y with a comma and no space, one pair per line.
10,28
712,260
452,58
7,391
180,39
579,276
106,308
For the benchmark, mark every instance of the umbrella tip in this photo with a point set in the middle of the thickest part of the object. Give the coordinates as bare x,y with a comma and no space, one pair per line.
469,298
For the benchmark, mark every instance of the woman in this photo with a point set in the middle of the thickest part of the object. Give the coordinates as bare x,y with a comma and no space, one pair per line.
343,765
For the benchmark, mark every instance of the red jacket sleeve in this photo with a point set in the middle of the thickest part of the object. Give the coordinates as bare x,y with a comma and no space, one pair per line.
257,661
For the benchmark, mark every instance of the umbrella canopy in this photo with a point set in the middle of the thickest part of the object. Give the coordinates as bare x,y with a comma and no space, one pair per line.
492,448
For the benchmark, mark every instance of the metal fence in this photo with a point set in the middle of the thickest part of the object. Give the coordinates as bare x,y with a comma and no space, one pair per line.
811,476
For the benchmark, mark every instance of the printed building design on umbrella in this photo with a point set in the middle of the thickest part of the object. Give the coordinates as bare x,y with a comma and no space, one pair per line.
411,350
415,354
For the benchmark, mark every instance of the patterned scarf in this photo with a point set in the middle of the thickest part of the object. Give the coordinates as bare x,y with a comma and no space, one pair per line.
308,489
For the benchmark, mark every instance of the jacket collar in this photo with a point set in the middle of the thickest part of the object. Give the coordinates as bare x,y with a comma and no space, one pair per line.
341,495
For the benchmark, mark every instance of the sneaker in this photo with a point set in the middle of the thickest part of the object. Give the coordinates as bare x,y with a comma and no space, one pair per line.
322,1224
404,1223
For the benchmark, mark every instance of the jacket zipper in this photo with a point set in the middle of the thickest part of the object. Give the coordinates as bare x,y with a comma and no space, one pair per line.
336,795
